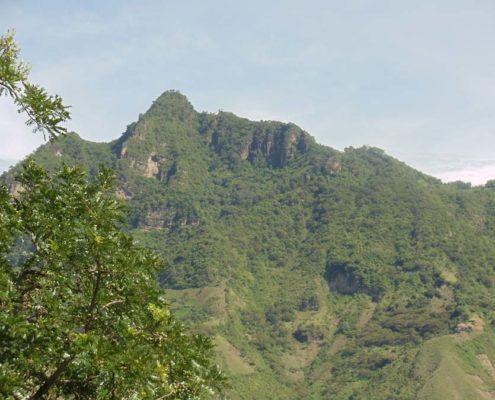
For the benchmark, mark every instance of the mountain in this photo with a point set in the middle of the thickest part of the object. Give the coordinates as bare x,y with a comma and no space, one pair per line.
321,274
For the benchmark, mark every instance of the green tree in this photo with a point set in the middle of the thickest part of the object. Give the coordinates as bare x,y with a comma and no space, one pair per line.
81,313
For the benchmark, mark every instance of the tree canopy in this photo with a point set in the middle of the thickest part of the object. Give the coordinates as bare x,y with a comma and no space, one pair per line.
81,313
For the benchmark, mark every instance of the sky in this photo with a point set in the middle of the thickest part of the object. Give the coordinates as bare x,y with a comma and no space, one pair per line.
413,77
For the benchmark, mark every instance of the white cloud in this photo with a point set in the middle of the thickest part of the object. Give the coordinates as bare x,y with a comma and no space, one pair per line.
475,175
453,167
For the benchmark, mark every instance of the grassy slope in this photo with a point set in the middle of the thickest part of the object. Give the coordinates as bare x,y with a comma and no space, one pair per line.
458,366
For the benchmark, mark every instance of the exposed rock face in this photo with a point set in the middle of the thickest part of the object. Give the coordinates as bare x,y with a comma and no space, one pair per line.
281,147
15,189
152,168
166,218
275,148
333,166
123,151
152,145
475,324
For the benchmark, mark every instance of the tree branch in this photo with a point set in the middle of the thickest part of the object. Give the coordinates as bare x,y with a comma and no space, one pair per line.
94,296
112,303
45,387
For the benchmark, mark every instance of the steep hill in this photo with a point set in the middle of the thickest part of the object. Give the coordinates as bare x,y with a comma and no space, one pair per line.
321,274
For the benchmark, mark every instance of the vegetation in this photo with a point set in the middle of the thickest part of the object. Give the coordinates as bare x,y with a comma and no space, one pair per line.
319,273
45,113
81,312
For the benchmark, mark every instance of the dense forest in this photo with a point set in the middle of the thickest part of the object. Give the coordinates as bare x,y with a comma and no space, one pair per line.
318,273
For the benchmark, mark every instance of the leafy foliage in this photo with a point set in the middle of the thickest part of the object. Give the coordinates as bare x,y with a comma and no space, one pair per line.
81,311
45,113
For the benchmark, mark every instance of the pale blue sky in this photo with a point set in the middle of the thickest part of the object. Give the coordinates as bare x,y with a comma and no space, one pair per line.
416,78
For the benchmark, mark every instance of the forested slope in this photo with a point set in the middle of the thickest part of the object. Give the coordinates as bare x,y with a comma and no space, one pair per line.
321,274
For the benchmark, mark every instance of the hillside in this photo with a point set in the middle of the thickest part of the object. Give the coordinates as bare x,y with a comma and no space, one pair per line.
321,274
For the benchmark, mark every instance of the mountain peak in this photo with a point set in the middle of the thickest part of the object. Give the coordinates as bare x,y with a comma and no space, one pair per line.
172,104
172,94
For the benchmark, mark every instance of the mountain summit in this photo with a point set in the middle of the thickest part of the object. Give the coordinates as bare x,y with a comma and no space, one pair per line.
321,274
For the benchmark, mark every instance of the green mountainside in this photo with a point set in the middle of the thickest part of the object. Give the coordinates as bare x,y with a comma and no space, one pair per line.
320,274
